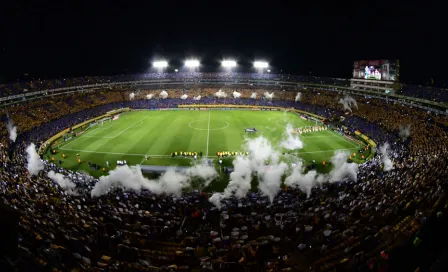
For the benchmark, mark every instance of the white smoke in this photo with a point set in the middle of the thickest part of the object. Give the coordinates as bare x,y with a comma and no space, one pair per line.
341,168
268,96
131,96
184,96
65,183
384,151
220,94
348,102
301,180
202,171
163,94
291,141
11,129
305,181
405,132
264,162
236,94
298,96
35,164
149,96
197,97
171,182
253,95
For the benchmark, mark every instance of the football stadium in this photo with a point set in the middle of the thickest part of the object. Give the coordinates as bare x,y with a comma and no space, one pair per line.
271,164
157,139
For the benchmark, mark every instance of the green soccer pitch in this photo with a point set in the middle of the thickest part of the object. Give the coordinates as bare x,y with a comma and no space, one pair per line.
160,133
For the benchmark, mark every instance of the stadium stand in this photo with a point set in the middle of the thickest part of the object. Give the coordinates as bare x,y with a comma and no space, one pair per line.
340,226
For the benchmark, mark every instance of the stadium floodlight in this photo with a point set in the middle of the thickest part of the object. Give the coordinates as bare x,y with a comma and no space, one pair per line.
160,64
261,64
192,63
228,63
175,70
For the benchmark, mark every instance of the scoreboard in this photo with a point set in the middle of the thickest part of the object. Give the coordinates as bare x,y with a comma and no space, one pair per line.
387,70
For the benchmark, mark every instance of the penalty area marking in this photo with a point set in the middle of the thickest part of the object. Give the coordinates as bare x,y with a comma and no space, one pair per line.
224,127
115,153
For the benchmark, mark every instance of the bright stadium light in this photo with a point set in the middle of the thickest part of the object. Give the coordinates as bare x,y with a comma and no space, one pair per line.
160,64
228,63
261,64
192,63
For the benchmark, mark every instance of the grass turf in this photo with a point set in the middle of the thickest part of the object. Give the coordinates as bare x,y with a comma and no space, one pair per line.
159,133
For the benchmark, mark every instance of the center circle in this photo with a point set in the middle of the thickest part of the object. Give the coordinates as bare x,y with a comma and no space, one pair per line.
204,125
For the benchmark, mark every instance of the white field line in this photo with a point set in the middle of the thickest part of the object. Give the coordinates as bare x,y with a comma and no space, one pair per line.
121,132
337,135
208,134
168,156
304,137
77,138
321,151
92,136
114,153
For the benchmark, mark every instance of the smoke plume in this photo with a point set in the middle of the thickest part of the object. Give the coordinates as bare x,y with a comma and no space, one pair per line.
163,94
197,97
264,162
341,168
65,183
348,102
172,182
12,130
268,96
131,96
301,180
384,151
220,94
149,96
291,141
298,96
305,181
260,152
184,96
35,164
405,132
236,94
253,95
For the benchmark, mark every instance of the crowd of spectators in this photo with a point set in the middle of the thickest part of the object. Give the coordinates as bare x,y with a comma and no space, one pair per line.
341,225
424,92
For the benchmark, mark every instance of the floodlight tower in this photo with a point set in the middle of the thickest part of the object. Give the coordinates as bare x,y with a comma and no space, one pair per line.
228,65
160,65
192,64
260,66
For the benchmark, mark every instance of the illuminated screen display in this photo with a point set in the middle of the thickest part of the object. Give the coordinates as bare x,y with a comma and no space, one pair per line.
376,70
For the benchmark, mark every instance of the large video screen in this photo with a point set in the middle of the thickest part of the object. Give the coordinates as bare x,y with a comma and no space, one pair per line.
376,70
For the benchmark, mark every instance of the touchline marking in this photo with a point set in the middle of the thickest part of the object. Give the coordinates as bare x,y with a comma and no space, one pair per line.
338,136
324,151
208,133
114,153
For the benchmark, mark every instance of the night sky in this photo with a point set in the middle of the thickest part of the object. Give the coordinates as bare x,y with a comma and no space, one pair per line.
323,38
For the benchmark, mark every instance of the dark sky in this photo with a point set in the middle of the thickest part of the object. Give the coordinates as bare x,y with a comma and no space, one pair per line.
323,38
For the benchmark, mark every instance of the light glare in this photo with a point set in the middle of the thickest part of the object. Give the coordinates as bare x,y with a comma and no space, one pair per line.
229,63
160,64
261,64
192,63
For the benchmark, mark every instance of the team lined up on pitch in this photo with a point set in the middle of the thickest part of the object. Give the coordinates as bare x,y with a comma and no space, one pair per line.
303,130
